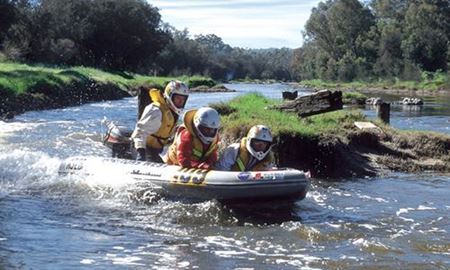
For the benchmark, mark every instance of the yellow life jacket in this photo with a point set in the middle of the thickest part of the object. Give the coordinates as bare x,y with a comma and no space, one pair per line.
244,157
168,122
198,153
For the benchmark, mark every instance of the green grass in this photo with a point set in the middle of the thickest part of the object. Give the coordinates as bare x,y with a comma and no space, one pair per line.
18,78
429,82
250,109
353,95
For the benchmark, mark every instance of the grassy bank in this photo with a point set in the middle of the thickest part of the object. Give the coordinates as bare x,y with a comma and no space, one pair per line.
19,78
248,110
330,145
36,87
428,82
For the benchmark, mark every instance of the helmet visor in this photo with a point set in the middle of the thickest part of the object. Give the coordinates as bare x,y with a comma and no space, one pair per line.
179,100
260,145
207,132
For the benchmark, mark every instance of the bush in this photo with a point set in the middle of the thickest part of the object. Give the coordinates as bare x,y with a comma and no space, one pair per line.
198,82
223,108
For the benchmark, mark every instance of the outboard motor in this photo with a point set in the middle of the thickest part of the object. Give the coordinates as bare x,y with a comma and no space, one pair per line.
118,138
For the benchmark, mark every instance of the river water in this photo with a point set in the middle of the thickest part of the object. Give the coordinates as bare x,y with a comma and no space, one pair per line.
51,222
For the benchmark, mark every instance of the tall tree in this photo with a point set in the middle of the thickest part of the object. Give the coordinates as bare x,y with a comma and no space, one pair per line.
390,58
125,34
390,10
427,28
7,17
336,24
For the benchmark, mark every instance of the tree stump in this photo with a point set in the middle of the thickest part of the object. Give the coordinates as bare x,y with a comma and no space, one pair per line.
289,95
384,111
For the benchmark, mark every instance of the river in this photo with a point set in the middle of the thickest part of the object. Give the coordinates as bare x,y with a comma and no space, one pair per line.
50,222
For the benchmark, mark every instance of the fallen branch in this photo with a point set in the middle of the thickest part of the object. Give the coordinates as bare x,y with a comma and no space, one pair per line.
317,103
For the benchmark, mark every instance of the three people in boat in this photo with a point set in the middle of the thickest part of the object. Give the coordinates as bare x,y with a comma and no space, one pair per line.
195,143
157,123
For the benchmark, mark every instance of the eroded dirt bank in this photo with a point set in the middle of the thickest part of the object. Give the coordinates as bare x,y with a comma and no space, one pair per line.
45,97
364,153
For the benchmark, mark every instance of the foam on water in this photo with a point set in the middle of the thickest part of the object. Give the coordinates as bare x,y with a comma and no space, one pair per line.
12,127
21,170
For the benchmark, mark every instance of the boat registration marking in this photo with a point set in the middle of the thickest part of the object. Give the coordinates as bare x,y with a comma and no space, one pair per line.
248,176
268,176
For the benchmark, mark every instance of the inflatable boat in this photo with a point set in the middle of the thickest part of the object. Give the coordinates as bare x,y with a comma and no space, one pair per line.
196,184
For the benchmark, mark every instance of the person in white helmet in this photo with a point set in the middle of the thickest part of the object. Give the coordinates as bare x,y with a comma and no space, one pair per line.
157,122
252,153
195,144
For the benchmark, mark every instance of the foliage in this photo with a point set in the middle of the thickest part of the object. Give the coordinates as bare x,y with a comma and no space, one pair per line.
387,39
223,108
198,81
430,81
8,16
126,35
112,34
345,40
427,34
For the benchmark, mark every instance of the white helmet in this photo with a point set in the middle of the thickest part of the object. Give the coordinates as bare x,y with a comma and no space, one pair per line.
206,123
172,89
255,134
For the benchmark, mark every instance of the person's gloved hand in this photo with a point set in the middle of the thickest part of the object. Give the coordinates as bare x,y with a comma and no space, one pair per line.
141,156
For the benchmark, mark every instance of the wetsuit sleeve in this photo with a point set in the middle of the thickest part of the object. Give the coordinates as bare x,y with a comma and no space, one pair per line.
149,123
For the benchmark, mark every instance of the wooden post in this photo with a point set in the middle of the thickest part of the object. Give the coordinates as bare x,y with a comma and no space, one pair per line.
384,111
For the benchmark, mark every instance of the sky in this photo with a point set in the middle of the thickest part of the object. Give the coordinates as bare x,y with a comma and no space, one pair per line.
241,23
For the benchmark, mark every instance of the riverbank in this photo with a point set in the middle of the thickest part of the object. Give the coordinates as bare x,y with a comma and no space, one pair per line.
430,84
219,88
331,146
37,87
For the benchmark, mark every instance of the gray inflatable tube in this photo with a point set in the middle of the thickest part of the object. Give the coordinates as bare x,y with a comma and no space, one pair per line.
197,184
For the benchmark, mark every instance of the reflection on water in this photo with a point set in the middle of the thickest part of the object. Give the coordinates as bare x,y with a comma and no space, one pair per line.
51,222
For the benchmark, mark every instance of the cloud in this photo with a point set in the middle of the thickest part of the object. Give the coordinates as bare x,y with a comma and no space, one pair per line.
242,23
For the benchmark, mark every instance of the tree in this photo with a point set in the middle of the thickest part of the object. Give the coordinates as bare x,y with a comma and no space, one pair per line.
113,34
182,56
18,38
7,17
336,25
390,10
337,32
390,59
125,34
427,28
